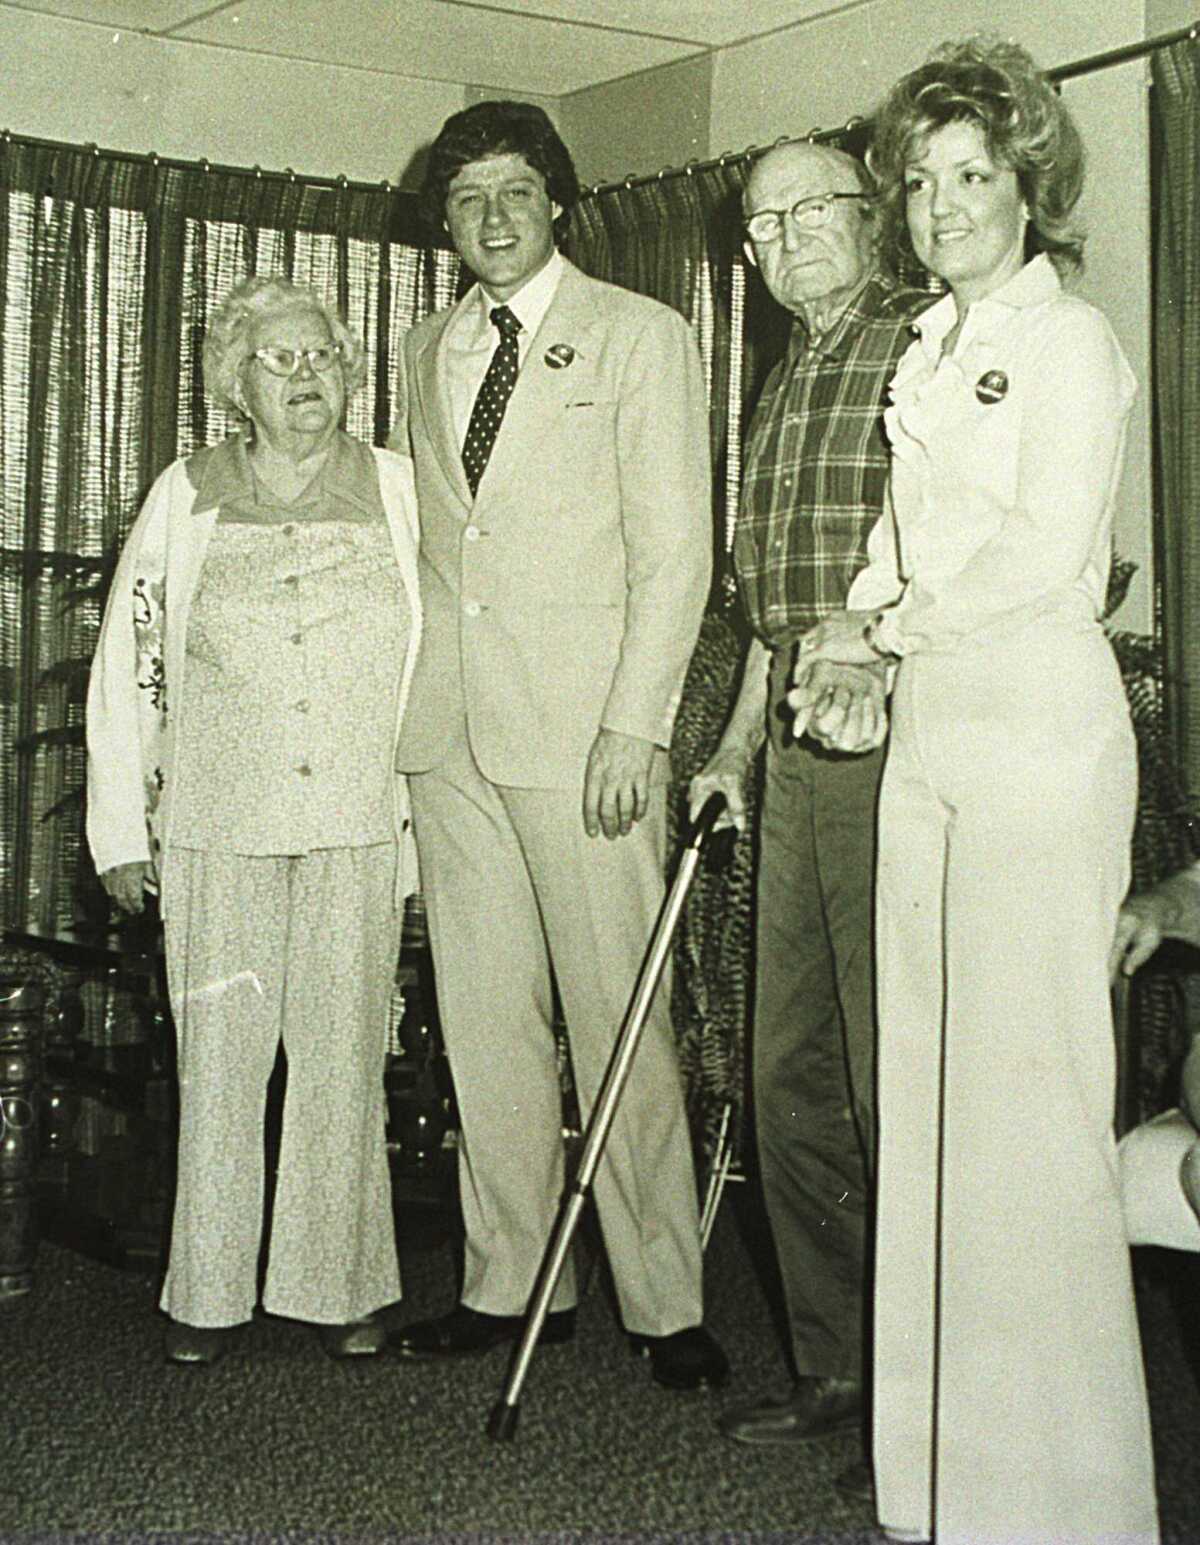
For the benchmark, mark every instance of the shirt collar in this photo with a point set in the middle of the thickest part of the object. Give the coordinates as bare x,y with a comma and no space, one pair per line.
226,474
1032,284
532,301
864,305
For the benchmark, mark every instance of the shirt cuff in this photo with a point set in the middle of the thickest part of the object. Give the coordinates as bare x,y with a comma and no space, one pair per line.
884,634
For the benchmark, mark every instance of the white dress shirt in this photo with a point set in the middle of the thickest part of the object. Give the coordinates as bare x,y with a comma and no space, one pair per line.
471,338
1006,456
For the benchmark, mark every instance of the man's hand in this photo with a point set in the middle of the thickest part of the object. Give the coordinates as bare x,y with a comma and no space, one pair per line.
126,885
723,773
1140,930
842,706
616,786
1171,910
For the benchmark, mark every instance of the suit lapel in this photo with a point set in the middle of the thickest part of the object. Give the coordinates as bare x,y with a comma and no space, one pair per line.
434,397
541,389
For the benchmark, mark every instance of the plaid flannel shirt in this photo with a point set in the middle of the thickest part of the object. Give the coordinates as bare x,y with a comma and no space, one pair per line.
816,463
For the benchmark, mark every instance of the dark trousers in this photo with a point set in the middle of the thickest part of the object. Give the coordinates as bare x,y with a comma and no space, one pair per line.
814,1043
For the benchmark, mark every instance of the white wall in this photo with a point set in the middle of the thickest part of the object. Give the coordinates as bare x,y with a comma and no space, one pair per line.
653,119
73,81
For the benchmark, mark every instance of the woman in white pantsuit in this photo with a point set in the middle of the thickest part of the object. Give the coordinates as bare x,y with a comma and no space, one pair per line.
243,709
1009,1401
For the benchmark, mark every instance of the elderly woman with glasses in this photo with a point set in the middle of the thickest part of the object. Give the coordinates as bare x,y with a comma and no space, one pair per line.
245,698
1009,1399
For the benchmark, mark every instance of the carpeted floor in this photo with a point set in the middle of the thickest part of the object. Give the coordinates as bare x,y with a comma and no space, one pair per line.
99,1438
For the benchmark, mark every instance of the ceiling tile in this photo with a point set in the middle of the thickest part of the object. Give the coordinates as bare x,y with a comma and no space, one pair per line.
129,15
709,22
425,38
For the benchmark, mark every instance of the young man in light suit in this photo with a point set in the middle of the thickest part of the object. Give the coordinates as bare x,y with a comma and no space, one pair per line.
559,431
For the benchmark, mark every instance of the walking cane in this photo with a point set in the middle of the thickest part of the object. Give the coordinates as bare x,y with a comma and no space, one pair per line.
502,1424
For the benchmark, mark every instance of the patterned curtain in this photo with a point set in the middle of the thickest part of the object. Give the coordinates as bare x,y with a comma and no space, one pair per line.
1162,682
109,270
1175,131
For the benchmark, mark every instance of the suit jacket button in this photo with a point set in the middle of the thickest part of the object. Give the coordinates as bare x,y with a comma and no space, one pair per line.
472,533
472,608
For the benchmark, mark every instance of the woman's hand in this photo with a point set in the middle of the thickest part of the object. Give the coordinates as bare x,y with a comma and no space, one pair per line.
841,637
126,885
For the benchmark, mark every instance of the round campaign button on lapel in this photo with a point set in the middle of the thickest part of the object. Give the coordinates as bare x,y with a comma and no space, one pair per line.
559,355
992,386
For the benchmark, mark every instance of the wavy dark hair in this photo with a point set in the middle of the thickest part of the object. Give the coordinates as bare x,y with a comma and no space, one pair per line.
996,85
499,129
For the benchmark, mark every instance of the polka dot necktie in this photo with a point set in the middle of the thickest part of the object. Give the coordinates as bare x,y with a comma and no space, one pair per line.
493,397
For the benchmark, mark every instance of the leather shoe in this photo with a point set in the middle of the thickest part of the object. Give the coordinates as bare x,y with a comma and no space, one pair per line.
857,1482
357,1338
195,1346
466,1332
814,1409
689,1359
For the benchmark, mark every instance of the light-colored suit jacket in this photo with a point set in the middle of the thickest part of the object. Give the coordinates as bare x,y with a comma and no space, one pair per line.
567,596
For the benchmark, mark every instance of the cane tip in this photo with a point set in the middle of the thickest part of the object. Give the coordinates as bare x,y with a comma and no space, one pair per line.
502,1424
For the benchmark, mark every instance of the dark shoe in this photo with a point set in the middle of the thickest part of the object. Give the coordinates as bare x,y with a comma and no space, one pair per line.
814,1409
857,1482
690,1359
196,1347
466,1333
358,1338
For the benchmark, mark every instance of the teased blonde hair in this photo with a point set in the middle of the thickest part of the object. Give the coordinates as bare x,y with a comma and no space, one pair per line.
996,85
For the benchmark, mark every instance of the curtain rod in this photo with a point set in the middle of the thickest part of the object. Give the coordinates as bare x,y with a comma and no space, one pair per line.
174,163
1060,73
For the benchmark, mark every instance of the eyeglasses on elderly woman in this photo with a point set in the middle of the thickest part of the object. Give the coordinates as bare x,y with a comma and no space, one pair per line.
809,214
286,362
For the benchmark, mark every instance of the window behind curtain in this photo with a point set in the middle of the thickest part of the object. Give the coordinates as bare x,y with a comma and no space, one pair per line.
110,268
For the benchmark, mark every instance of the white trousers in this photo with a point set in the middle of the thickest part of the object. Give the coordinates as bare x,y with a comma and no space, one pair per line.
303,951
1010,1405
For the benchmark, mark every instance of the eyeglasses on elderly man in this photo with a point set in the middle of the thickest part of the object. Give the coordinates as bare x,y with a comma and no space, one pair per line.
810,214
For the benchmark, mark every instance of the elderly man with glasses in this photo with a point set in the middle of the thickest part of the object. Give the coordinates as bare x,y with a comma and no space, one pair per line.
816,466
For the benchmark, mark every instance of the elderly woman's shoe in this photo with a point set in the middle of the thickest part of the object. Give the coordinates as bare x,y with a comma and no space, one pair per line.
360,1338
196,1346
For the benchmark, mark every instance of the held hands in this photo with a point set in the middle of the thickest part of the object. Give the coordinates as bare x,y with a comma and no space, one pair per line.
126,884
616,786
841,706
841,637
